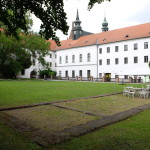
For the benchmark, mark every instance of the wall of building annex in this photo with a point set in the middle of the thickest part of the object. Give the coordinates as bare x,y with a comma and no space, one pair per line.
133,66
79,63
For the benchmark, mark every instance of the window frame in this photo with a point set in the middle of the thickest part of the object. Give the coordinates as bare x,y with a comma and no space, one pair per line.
108,62
135,59
80,58
126,47
126,60
116,48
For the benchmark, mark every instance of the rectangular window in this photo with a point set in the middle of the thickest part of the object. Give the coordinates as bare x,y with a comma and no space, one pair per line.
145,45
116,48
88,57
34,61
66,73
125,76
80,73
100,50
125,47
55,64
88,73
126,60
50,55
55,55
73,74
135,59
100,75
60,60
108,61
100,62
135,46
80,58
73,58
66,59
60,73
50,64
146,59
108,49
116,61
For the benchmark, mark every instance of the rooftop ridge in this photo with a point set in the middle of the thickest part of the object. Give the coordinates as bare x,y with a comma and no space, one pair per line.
126,33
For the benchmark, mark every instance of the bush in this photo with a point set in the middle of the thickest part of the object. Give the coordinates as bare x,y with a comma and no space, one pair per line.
48,73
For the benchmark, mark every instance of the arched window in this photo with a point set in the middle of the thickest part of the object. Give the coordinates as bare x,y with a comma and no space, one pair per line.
73,58
88,57
80,58
60,60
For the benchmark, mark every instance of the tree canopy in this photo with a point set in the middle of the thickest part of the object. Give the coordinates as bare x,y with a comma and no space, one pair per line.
50,12
92,2
15,55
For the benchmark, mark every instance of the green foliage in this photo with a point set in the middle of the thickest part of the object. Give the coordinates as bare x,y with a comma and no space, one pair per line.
50,12
15,55
48,73
92,2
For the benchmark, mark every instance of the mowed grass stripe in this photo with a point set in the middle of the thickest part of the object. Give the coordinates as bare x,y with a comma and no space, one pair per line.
16,93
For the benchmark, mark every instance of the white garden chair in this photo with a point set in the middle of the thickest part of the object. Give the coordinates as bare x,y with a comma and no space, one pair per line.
144,94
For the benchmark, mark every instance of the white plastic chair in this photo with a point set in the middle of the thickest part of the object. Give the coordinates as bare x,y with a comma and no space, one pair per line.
144,94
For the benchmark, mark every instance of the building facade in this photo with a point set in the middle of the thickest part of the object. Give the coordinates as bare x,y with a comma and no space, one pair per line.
122,52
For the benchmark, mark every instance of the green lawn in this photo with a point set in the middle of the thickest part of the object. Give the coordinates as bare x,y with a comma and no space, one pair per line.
106,106
14,93
131,134
11,140
51,119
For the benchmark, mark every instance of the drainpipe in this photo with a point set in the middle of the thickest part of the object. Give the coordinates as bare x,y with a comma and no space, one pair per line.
97,44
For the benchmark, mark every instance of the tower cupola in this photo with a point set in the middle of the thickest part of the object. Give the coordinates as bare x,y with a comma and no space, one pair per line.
105,25
76,28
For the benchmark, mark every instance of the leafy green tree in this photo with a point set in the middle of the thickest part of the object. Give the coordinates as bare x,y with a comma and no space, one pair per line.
50,12
15,55
92,2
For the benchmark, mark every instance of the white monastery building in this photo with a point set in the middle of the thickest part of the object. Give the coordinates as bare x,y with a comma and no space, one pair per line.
122,53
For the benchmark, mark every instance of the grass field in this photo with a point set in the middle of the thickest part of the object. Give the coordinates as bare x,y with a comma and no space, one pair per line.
106,106
14,93
131,134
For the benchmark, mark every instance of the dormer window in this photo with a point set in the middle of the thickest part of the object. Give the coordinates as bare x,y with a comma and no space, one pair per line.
127,36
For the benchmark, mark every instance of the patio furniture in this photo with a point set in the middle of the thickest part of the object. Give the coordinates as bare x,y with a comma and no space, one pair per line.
126,90
137,91
144,94
131,93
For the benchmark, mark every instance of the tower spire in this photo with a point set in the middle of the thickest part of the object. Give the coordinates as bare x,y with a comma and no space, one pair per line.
105,23
76,28
77,17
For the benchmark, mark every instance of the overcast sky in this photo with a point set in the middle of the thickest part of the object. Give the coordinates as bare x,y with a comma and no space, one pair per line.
119,14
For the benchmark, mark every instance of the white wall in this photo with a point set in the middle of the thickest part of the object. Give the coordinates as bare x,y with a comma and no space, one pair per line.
131,68
84,65
37,66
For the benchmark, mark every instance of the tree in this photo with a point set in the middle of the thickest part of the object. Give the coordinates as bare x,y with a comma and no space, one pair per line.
50,12
15,55
92,2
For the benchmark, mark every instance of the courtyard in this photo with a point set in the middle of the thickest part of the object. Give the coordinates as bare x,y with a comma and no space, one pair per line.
75,110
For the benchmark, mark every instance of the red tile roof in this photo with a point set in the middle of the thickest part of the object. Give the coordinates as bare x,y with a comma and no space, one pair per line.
128,33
